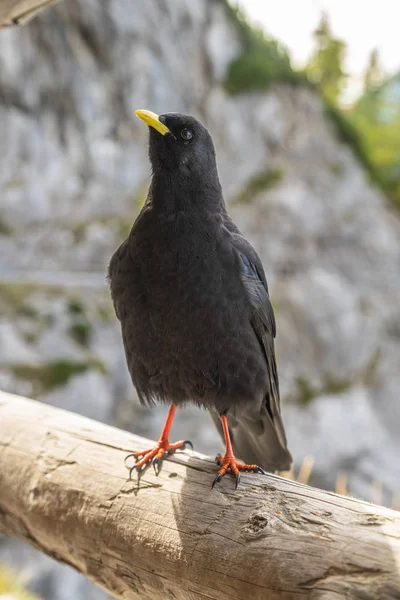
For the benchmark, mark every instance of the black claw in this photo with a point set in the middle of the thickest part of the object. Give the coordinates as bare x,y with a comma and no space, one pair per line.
138,470
260,470
216,480
187,443
126,458
155,462
218,459
237,480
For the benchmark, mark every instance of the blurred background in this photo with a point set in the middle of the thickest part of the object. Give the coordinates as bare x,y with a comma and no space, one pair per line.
302,98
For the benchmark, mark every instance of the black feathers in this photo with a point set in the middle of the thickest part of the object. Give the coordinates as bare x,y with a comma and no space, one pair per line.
193,302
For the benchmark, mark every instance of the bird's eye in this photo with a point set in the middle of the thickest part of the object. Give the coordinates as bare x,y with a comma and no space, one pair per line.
186,134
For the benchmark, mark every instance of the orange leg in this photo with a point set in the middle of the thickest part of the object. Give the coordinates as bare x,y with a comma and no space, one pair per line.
229,461
161,450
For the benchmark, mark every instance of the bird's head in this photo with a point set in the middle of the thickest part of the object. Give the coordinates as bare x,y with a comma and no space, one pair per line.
178,143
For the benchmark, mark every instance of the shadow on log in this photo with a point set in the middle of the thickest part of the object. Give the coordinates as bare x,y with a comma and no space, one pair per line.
64,490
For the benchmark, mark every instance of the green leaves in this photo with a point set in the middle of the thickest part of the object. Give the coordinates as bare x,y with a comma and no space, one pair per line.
326,66
263,61
376,117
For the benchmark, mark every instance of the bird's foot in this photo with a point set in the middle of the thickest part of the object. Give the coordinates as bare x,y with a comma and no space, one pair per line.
156,455
229,462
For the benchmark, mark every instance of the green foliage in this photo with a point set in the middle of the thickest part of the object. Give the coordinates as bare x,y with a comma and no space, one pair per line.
349,134
79,232
304,391
376,118
263,61
5,229
383,148
262,181
81,332
256,69
373,76
374,142
75,306
80,329
336,386
51,375
15,293
106,312
355,134
14,300
10,586
325,67
28,311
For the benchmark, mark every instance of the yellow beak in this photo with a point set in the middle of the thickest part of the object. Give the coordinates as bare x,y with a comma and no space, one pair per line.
152,120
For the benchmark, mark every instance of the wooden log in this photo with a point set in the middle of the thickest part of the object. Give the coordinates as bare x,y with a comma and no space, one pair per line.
64,489
19,12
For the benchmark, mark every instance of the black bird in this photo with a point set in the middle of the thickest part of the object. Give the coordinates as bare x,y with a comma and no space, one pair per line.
192,298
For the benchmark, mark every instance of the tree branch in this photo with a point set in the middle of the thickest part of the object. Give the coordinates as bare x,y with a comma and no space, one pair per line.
19,12
64,490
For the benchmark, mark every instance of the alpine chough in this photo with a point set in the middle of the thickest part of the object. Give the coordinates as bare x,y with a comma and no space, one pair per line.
192,298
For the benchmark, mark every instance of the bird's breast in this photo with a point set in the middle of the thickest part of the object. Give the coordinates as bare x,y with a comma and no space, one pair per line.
184,317
182,275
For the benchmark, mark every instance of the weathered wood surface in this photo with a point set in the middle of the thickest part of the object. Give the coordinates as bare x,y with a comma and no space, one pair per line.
19,12
64,489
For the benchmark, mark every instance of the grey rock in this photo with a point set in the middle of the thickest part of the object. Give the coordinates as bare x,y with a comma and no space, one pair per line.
13,349
73,175
342,433
87,394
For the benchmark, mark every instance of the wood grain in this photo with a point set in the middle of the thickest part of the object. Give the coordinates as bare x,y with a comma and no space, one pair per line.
19,12
64,489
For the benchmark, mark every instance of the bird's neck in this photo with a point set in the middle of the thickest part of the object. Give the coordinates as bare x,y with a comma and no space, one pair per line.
170,193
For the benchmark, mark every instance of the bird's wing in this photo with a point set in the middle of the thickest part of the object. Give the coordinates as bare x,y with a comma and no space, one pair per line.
259,436
116,275
120,264
262,313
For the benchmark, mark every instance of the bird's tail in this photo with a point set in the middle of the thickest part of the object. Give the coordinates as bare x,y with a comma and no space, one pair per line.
259,439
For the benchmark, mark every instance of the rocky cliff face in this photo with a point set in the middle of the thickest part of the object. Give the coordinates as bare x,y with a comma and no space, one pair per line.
74,173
